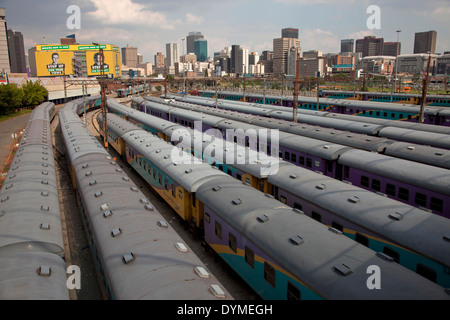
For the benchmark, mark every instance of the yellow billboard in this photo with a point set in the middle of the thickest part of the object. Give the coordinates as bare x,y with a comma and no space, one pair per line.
110,60
57,60
54,63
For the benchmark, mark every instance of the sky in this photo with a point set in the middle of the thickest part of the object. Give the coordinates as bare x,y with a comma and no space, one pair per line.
252,24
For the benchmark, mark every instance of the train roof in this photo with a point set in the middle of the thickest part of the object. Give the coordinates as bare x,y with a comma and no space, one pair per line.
425,138
133,238
415,229
413,173
307,249
423,154
184,168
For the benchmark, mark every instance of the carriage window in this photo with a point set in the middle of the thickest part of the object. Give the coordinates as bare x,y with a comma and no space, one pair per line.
249,257
392,253
293,293
362,239
207,217
436,204
269,274
426,272
293,157
421,199
365,181
301,160
298,206
218,230
403,193
308,162
283,199
232,242
337,226
376,185
390,189
286,155
316,216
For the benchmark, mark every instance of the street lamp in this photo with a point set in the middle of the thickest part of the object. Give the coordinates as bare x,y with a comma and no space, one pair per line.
396,62
102,93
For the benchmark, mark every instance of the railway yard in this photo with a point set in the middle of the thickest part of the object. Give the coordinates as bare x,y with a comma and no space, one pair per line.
139,224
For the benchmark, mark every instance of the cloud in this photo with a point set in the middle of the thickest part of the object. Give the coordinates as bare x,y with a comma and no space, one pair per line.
127,12
317,39
192,19
315,2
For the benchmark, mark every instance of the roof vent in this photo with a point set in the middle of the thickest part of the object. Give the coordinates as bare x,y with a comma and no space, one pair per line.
217,291
411,148
128,258
45,208
162,224
133,188
342,269
321,186
385,256
149,207
263,218
293,176
44,193
44,271
116,232
353,199
45,226
236,201
397,216
104,207
181,247
297,240
98,194
201,272
216,188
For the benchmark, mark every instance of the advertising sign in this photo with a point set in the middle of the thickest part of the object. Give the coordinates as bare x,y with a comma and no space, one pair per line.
54,63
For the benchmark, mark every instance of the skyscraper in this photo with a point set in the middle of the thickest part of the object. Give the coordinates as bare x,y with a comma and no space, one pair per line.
234,57
16,52
289,33
281,48
347,45
4,55
201,49
129,56
425,42
370,46
190,41
172,55
392,48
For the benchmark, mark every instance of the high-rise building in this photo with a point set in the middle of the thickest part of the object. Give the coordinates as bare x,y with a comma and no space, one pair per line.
370,46
16,52
392,48
347,45
281,47
289,33
129,56
234,57
201,50
172,55
4,55
190,41
425,42
242,62
159,60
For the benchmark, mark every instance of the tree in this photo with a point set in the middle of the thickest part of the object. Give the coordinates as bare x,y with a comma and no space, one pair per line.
10,98
34,93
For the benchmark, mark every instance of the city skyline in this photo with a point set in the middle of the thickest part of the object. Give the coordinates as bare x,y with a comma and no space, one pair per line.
251,24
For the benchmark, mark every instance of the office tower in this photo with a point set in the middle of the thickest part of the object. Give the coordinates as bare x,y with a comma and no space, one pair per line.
140,59
281,47
347,45
289,33
370,46
425,42
234,57
242,62
129,56
391,48
190,41
16,52
159,60
172,55
4,55
201,50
